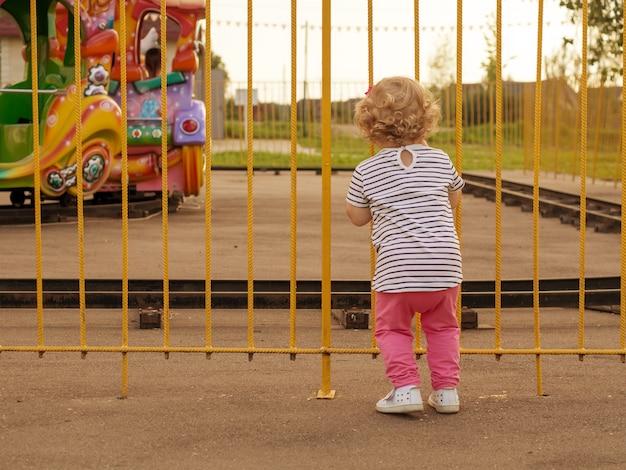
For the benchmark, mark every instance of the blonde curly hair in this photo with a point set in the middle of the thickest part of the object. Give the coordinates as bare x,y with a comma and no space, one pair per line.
397,110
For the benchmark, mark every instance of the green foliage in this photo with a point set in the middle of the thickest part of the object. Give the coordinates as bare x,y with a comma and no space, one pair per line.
606,27
489,65
218,63
442,62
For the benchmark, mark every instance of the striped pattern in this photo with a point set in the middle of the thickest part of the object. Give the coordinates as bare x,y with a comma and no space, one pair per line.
417,248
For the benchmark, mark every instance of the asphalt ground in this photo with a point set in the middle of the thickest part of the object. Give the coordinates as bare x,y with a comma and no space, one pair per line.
63,411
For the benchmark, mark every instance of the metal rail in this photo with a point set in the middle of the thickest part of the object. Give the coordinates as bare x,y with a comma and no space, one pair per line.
275,294
30,91
56,212
603,216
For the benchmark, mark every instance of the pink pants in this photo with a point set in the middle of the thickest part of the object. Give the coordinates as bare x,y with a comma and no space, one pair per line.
394,335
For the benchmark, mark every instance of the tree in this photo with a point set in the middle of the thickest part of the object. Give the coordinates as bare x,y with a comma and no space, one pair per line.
564,63
442,63
489,64
606,25
218,63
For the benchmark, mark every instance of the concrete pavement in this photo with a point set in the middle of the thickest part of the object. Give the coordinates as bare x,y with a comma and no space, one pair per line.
62,411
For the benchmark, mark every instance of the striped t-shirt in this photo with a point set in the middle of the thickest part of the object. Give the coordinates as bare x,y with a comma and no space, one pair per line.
417,248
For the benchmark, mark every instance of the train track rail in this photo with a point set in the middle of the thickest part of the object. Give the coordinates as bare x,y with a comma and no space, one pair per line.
600,293
603,216
54,212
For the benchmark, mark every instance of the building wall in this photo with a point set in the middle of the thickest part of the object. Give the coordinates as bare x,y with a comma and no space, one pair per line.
11,63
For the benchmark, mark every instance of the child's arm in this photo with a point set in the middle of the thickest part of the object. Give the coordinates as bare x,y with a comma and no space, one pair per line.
358,215
454,197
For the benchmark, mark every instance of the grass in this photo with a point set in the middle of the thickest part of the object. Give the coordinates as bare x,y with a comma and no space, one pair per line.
478,151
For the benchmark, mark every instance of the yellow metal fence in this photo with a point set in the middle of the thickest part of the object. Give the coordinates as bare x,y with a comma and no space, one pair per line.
500,116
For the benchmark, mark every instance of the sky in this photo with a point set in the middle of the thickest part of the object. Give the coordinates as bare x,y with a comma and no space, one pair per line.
393,38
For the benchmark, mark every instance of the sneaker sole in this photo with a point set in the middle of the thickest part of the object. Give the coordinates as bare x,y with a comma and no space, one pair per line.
445,409
401,408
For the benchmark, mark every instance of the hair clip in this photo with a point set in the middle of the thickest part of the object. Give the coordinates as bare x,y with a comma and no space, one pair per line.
369,89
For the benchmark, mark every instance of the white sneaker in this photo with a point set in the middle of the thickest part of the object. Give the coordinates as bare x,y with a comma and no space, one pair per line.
445,400
401,400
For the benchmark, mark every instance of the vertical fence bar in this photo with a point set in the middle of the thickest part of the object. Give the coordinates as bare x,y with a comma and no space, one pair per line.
622,323
326,391
37,170
208,201
293,175
498,162
79,176
164,178
416,47
583,180
250,192
416,37
536,171
370,81
598,130
557,123
459,126
528,111
124,181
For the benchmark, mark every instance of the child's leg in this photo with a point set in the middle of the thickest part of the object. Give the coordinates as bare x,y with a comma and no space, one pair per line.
442,331
394,336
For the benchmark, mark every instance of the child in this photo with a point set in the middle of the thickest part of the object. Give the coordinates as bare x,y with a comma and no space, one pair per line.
153,63
409,190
